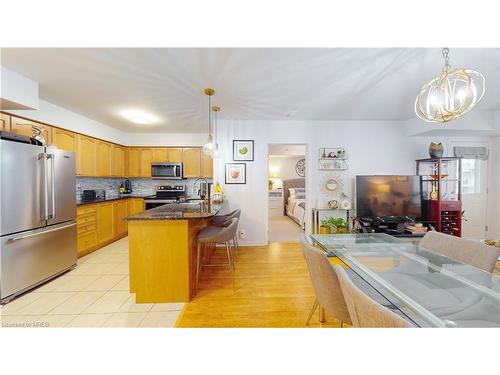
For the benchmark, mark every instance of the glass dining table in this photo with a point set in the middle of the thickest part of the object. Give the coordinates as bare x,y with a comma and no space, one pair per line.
427,288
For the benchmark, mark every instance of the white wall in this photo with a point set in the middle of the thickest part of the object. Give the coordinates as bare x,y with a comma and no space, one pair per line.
17,91
373,147
58,116
285,165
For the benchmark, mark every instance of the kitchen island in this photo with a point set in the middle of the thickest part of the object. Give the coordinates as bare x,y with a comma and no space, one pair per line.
162,250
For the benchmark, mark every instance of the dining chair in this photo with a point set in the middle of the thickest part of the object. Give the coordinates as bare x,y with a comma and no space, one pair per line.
211,236
364,311
325,283
474,253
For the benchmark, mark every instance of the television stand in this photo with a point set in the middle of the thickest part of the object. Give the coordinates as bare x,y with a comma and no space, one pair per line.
392,225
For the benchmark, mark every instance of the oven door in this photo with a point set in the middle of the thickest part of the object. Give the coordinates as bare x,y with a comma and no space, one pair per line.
166,171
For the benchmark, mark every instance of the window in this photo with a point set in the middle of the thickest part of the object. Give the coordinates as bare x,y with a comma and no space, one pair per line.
471,176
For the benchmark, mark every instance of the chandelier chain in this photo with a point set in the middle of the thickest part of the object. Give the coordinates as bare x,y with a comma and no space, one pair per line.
446,58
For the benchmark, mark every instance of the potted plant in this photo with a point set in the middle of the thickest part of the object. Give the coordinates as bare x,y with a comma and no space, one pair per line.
335,225
324,228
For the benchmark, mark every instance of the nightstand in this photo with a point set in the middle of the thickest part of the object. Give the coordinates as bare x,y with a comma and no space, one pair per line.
276,207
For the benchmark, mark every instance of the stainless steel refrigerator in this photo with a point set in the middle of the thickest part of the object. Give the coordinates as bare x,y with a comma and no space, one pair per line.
38,222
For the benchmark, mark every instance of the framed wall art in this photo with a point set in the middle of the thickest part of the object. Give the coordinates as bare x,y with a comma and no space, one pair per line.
242,150
236,173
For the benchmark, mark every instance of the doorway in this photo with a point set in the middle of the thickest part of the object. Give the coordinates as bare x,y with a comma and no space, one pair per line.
287,192
474,193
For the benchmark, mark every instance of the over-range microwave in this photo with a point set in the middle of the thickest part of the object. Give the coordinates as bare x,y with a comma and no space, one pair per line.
166,171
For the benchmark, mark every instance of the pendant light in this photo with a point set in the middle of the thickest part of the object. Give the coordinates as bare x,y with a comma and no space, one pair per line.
215,130
209,148
451,94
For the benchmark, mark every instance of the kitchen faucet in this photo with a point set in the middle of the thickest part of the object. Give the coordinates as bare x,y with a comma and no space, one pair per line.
200,194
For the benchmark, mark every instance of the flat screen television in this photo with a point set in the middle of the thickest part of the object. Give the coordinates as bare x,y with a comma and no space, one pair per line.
388,196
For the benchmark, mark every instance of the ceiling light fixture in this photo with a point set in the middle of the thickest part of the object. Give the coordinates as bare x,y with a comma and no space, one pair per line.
140,120
139,117
451,94
210,148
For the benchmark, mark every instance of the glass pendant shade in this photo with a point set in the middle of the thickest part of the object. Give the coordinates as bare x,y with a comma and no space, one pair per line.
210,148
450,95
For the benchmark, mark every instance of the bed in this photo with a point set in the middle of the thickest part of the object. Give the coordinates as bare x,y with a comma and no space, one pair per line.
294,199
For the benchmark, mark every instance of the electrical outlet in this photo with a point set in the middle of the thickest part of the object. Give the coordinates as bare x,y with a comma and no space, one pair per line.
243,234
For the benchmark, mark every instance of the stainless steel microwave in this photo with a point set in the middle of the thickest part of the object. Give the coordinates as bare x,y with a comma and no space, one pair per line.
166,171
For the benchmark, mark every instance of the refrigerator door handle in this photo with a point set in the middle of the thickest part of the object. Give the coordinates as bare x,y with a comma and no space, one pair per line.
46,215
52,158
39,233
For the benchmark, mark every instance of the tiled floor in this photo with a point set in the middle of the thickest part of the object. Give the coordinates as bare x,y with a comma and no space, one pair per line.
94,294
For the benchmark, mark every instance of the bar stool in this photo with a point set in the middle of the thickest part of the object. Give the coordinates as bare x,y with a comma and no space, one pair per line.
220,221
213,235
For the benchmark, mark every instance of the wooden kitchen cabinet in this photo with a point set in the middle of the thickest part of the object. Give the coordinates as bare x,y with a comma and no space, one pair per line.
135,205
105,222
25,127
63,139
86,219
5,122
175,155
118,161
86,156
133,162
160,154
103,161
207,166
146,157
191,157
120,212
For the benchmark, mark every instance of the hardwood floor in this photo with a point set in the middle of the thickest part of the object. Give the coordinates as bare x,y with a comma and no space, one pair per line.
272,288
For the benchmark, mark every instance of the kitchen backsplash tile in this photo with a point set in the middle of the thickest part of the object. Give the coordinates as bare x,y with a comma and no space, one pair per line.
140,186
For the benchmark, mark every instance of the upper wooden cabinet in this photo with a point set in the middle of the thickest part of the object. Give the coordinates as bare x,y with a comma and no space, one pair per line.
103,160
86,156
191,158
25,127
146,157
118,161
5,122
175,155
207,166
133,162
160,154
63,139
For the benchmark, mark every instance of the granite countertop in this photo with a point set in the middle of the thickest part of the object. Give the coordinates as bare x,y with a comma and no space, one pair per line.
178,211
79,202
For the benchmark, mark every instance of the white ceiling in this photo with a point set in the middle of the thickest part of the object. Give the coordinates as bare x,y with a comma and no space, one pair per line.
274,83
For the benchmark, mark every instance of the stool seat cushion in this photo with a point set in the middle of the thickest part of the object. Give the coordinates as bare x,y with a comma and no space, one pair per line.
209,233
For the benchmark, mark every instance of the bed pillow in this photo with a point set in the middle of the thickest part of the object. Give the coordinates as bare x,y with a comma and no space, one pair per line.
297,193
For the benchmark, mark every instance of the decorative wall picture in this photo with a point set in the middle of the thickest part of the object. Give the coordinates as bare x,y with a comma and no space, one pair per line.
236,173
300,167
243,150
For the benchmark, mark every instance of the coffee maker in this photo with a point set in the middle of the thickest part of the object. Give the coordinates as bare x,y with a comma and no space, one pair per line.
128,186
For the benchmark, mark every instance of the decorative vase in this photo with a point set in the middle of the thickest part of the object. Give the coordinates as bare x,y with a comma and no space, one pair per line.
436,150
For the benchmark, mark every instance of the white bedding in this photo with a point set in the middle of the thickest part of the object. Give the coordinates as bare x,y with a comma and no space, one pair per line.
294,211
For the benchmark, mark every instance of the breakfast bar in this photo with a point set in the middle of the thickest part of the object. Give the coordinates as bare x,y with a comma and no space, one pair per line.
162,250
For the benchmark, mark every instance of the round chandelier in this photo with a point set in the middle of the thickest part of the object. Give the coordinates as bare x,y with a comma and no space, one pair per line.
210,148
451,94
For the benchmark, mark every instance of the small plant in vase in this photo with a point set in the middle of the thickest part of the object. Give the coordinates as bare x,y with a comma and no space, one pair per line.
334,226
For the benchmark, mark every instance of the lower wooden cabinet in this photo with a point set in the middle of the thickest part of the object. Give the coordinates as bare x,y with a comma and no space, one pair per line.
135,205
4,122
102,223
120,209
105,222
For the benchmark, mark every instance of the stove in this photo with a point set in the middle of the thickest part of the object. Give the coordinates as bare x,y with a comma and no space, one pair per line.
165,194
